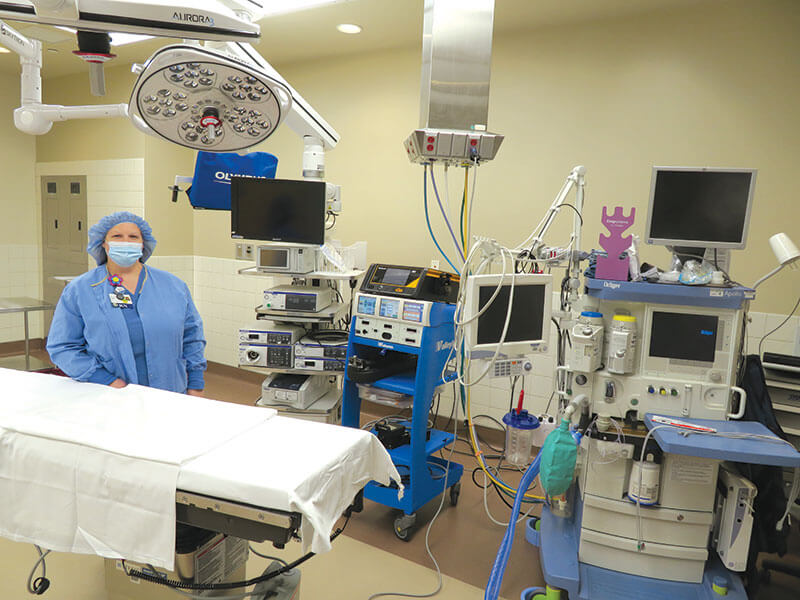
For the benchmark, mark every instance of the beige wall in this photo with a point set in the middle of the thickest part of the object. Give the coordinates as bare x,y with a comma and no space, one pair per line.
697,86
171,222
20,222
116,138
19,212
92,139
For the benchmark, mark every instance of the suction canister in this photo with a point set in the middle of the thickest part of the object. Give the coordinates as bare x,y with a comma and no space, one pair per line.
520,427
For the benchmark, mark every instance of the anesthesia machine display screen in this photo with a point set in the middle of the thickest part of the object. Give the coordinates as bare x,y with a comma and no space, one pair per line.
700,207
526,313
278,210
684,336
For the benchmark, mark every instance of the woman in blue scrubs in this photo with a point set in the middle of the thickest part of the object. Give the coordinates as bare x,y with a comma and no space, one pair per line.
124,322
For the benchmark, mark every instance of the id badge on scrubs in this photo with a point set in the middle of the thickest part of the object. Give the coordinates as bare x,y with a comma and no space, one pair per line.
124,301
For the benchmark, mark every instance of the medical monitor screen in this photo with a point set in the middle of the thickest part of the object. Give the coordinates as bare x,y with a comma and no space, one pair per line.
684,336
278,210
700,207
527,313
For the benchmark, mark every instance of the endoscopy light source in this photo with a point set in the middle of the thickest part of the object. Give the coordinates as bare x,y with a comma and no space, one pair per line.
205,100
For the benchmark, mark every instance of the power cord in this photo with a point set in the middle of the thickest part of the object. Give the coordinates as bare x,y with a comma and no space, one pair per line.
428,531
39,586
257,553
786,320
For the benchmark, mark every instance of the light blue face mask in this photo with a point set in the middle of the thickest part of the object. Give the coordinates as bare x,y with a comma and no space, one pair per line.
124,254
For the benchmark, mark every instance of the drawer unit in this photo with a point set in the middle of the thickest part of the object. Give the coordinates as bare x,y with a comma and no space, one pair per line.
659,561
618,517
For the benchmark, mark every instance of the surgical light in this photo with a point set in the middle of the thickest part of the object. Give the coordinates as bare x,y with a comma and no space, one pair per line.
206,100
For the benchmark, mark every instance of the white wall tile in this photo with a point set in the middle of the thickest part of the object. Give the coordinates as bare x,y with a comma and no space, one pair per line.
757,324
787,333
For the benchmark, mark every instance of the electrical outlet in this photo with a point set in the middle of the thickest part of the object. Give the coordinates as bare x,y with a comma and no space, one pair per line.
245,251
434,264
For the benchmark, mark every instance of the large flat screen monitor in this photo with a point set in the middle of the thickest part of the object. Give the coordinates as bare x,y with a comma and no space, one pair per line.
278,210
700,207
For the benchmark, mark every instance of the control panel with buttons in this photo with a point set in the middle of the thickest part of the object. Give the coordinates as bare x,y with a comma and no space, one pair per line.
512,367
268,344
390,319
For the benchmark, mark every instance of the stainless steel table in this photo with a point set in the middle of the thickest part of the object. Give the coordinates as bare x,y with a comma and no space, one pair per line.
25,306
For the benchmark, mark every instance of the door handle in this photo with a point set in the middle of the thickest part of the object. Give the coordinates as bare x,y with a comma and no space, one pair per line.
56,223
79,225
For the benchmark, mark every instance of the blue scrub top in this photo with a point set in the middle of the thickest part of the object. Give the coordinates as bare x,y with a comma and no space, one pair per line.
91,340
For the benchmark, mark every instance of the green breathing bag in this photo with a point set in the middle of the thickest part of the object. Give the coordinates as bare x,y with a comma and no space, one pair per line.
557,464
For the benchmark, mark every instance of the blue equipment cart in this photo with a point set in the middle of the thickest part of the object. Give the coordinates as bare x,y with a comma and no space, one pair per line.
423,470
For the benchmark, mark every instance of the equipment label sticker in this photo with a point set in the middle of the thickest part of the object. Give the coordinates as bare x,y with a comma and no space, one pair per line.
688,470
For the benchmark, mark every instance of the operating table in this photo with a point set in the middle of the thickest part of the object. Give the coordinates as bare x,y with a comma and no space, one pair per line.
235,469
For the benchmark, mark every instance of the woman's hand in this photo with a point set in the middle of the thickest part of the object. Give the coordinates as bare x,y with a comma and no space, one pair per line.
198,393
117,383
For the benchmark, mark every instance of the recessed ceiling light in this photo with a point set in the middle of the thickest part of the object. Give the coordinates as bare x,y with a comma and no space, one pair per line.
350,28
4,50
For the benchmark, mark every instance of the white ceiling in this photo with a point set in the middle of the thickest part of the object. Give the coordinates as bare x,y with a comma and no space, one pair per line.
311,33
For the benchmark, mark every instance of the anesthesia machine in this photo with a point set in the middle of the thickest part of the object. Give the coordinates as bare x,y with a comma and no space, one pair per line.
644,490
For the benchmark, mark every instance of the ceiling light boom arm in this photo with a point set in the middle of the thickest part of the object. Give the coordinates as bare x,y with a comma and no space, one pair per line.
302,118
32,116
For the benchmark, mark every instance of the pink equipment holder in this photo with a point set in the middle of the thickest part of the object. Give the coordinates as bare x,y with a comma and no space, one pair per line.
615,265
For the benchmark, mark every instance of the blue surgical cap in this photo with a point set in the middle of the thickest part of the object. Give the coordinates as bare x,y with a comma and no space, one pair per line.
99,231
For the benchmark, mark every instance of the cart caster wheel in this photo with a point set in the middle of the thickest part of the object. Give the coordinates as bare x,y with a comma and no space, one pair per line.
455,491
765,576
403,526
534,593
